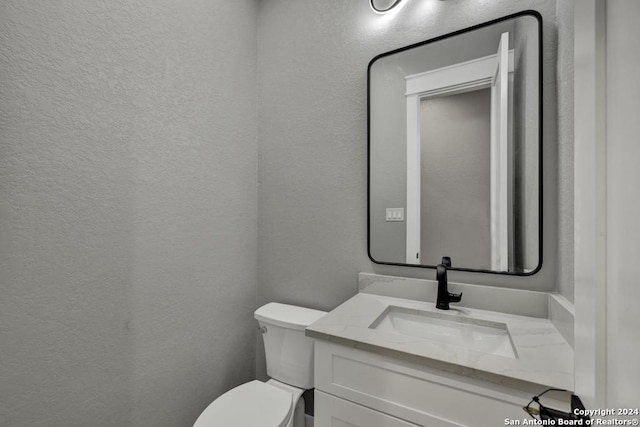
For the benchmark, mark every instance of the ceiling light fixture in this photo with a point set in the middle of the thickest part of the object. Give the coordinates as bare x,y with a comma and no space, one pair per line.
376,10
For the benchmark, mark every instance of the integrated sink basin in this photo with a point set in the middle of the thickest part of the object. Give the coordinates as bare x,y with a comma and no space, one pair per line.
514,347
452,329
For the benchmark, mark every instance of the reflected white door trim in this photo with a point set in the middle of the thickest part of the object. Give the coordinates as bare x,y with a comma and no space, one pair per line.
499,159
457,78
413,179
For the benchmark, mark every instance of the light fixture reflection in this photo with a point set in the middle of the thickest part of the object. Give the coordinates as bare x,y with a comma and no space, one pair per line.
381,11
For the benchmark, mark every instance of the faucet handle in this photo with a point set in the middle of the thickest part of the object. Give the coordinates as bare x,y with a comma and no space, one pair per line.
454,297
446,261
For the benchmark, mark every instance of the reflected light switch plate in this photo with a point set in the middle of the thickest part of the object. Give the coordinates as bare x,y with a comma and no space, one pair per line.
395,214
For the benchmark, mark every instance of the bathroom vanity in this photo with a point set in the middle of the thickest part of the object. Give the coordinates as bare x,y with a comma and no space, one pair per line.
440,187
387,357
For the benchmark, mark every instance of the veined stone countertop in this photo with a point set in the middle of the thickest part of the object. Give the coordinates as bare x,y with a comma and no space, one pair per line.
543,356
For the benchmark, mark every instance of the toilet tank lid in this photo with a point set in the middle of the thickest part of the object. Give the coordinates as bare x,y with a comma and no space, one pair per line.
288,316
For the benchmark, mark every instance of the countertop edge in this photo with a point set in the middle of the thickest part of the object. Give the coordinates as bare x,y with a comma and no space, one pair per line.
453,368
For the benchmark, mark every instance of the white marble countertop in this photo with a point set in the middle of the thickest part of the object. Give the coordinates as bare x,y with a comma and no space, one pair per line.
542,356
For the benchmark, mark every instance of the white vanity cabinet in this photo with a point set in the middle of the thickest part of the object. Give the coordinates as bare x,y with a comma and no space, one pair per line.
337,412
368,376
367,389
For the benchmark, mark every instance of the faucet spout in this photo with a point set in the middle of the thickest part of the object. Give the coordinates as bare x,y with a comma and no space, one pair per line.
444,296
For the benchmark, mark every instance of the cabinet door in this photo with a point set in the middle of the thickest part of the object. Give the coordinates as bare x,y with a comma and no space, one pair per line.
331,411
423,395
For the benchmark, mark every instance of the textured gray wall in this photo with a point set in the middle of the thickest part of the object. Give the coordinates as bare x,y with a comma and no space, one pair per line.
128,198
312,151
564,149
128,209
623,204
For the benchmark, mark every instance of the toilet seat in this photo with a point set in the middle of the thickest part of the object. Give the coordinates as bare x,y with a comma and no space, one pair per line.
253,404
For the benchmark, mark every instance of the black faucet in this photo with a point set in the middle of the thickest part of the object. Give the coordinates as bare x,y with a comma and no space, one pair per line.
444,296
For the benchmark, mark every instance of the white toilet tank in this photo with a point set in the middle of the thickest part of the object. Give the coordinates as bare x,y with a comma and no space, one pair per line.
289,352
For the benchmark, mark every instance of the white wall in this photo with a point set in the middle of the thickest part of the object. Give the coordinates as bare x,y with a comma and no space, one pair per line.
128,209
607,206
589,153
623,203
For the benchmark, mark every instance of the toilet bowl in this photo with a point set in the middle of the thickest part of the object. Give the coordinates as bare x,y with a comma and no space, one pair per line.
254,404
289,356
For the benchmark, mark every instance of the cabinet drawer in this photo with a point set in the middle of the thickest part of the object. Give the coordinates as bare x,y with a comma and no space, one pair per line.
332,411
420,394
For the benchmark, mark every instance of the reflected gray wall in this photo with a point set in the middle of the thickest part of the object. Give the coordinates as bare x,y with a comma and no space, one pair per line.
388,151
526,137
456,179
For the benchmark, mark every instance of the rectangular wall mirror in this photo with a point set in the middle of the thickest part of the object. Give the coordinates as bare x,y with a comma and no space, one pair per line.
455,128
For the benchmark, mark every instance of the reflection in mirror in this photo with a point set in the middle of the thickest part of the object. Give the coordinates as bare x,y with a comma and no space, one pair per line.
454,150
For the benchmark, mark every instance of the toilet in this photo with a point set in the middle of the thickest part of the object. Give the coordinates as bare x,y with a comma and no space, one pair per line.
289,354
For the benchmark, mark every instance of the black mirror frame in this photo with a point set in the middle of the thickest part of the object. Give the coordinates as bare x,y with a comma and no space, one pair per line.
538,17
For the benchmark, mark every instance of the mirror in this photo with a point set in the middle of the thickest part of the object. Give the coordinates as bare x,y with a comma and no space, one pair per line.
455,129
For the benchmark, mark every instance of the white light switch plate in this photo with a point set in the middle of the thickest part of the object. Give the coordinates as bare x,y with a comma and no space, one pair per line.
395,214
